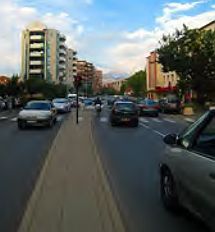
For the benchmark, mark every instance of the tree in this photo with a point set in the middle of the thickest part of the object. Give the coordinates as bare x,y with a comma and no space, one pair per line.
191,53
35,85
108,91
137,82
14,87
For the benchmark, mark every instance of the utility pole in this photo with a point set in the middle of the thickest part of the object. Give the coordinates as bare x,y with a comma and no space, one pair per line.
77,84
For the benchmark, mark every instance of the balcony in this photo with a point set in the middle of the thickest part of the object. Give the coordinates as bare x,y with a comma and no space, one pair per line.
36,71
62,66
36,54
37,37
62,59
37,46
62,38
62,52
36,62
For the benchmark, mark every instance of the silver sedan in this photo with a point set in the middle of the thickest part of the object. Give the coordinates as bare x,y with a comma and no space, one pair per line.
37,113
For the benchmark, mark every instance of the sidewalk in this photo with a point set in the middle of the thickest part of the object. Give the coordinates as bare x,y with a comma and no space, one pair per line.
72,193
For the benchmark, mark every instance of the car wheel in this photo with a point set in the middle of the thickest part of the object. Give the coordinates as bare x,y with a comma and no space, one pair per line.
168,191
21,125
135,124
50,123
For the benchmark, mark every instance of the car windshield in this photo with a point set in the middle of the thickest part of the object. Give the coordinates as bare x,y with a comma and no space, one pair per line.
60,100
37,106
125,106
148,102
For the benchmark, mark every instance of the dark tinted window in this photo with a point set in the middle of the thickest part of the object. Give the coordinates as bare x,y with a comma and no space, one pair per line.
125,106
38,106
205,143
60,100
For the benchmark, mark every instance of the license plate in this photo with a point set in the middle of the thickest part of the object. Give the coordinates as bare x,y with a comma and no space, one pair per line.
125,120
32,122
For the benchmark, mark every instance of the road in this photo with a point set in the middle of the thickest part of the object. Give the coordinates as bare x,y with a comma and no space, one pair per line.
21,156
131,159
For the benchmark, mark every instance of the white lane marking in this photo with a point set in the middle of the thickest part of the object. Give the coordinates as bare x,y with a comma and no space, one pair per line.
103,119
143,125
80,119
14,119
169,120
190,120
159,133
144,120
60,118
156,120
3,118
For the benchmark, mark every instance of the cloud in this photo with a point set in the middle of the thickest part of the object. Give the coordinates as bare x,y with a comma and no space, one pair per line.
130,53
14,18
174,7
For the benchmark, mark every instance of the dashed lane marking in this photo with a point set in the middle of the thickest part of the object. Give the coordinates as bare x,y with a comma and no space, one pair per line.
3,118
80,119
169,120
103,119
143,125
159,133
60,118
156,120
144,120
14,119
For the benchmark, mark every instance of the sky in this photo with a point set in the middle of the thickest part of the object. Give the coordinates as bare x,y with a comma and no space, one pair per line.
116,35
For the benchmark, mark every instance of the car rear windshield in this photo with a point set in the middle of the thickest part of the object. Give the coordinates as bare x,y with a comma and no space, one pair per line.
148,102
60,101
125,106
37,106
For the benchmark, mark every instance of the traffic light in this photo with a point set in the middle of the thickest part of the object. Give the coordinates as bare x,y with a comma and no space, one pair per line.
77,81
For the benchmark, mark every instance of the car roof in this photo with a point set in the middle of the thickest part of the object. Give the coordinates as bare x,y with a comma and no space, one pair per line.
123,102
39,101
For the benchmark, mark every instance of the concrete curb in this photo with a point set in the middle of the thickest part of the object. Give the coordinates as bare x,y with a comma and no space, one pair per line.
106,197
29,212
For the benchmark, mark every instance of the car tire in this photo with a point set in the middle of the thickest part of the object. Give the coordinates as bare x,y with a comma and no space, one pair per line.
113,124
135,124
21,125
50,123
168,191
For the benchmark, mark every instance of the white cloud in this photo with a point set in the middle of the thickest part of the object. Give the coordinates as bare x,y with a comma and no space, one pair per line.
130,53
174,7
14,19
89,2
213,6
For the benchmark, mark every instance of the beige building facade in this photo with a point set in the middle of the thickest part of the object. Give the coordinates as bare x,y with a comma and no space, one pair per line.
159,83
43,53
71,68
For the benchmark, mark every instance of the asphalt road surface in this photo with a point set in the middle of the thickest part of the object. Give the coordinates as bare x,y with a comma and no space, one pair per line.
131,159
21,157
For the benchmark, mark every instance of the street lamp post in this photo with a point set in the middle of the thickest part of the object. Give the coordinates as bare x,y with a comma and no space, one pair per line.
77,84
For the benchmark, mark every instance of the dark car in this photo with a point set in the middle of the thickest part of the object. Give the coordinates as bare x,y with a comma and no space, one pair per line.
124,113
148,107
187,169
171,105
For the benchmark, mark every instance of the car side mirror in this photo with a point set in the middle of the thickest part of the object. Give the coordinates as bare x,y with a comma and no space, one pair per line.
170,139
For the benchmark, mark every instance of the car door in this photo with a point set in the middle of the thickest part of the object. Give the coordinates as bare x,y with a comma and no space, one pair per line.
196,169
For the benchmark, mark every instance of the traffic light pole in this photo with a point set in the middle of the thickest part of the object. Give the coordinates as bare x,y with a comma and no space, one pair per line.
77,105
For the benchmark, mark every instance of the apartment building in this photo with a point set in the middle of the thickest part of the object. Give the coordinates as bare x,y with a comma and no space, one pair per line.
71,69
159,83
97,81
43,53
87,71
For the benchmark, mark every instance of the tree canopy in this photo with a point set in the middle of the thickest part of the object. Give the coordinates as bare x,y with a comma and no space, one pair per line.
137,82
191,53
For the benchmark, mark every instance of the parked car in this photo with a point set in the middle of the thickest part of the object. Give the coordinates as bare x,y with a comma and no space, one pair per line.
88,102
171,104
148,107
187,169
124,113
37,113
62,105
